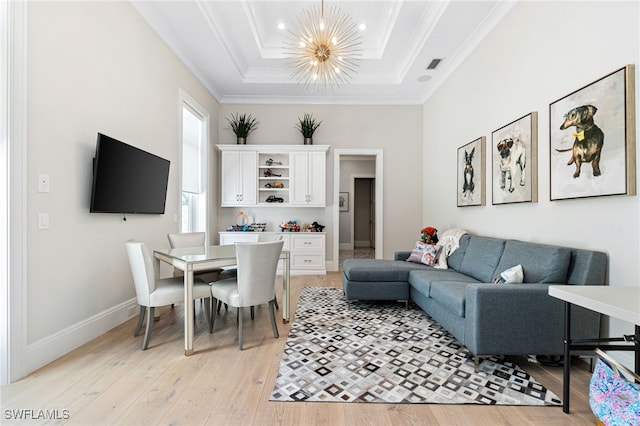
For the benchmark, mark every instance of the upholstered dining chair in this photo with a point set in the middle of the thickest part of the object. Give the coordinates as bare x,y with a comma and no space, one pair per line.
198,239
255,283
193,239
152,293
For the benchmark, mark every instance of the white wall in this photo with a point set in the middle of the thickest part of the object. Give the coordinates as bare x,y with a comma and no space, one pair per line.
395,129
92,67
541,52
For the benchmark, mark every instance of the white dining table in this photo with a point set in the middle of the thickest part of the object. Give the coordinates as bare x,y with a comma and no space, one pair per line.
622,302
196,259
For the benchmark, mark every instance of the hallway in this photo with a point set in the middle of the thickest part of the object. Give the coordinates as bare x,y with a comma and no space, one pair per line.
358,253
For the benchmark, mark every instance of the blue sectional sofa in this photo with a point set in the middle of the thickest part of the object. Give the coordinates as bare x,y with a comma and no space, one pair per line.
489,319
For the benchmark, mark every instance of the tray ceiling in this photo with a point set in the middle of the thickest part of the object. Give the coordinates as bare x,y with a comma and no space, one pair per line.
236,49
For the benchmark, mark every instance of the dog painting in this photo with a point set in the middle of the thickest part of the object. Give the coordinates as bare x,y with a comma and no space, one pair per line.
513,158
582,163
589,139
515,161
468,186
471,173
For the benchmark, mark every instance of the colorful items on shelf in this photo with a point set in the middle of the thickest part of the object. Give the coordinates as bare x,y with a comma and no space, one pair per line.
254,227
290,226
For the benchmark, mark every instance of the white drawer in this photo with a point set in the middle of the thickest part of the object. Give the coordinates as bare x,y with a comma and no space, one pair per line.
307,261
239,237
307,242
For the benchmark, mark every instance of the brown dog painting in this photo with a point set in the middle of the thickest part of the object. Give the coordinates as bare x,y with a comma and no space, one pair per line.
588,141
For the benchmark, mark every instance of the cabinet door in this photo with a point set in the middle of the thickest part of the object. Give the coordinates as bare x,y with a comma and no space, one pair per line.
308,178
299,178
249,178
238,175
316,182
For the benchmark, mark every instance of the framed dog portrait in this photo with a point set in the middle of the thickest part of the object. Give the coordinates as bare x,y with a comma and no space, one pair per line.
514,149
592,137
471,173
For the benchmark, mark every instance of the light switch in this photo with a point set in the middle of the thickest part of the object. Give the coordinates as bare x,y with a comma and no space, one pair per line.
43,182
43,220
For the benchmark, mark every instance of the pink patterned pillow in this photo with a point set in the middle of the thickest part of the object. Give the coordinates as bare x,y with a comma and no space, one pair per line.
424,253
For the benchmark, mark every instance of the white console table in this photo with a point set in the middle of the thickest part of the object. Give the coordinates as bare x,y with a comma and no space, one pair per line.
622,302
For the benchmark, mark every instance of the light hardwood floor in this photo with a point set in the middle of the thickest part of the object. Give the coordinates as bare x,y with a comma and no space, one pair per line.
111,381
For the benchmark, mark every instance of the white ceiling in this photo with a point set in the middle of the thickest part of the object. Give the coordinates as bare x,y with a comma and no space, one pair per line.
237,51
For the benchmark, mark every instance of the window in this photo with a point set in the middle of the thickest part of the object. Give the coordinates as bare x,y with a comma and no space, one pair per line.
195,130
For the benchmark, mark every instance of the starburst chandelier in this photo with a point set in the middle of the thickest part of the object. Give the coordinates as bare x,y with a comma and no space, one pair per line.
323,49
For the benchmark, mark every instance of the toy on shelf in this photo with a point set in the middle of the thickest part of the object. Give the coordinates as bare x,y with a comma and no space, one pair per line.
290,226
271,162
274,185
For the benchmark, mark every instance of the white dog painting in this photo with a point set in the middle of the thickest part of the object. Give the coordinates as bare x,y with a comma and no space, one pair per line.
514,161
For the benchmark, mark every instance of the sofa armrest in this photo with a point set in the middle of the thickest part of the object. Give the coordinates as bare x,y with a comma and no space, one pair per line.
402,255
520,319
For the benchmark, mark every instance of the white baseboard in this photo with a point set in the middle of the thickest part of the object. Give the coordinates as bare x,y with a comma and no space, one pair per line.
44,351
346,246
332,265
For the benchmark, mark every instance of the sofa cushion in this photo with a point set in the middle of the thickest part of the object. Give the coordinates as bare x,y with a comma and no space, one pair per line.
379,269
481,258
541,263
455,259
421,280
450,294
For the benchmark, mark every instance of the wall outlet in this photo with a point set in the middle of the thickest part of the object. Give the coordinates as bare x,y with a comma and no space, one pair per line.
43,182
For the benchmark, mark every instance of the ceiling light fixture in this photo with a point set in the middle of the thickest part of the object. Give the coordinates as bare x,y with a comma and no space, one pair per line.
323,50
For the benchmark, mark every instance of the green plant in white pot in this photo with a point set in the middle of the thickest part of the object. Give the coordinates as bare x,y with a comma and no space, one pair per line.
242,125
307,126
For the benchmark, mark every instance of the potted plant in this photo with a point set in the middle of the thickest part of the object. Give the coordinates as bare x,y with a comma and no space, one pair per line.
242,125
307,127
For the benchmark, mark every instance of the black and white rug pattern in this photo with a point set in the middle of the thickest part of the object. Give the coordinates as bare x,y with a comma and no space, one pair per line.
382,352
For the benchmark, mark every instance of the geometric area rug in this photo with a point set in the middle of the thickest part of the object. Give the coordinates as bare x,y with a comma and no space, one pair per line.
382,352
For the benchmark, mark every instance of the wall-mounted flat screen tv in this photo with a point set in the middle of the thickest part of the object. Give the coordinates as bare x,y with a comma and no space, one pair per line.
127,179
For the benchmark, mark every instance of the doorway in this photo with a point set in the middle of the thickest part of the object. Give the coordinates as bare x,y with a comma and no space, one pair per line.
364,218
343,213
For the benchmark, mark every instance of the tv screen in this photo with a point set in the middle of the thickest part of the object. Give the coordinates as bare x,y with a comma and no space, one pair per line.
127,179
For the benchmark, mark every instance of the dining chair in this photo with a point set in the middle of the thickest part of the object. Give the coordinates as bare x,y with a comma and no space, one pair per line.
198,239
255,283
193,239
152,292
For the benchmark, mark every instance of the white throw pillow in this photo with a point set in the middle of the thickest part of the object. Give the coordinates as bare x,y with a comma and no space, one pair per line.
513,275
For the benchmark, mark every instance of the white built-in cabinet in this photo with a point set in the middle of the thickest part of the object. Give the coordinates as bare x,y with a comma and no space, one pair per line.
256,175
239,178
308,179
307,249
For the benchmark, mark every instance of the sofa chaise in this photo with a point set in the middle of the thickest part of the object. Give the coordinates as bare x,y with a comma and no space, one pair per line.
489,319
